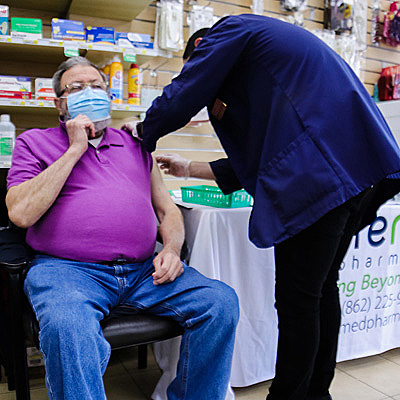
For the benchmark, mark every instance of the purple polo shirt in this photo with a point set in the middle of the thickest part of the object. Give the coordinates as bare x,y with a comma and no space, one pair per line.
104,210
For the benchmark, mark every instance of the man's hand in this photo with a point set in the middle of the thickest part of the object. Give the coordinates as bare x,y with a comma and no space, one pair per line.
174,164
168,267
79,130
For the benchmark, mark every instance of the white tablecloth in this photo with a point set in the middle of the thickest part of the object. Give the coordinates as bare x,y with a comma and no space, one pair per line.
219,246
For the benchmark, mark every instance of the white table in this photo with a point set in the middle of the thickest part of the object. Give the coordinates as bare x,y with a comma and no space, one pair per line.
219,248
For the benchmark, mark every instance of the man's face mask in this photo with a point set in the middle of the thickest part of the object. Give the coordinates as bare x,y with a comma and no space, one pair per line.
94,103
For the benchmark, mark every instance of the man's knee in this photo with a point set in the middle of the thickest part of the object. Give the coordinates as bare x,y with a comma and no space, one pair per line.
224,303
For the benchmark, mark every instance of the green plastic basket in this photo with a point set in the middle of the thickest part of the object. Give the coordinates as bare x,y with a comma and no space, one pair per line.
213,196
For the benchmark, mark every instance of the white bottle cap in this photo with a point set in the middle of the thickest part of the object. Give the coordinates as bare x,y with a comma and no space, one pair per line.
5,118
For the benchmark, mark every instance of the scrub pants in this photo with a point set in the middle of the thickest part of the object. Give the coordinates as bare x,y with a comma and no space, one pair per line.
307,301
71,298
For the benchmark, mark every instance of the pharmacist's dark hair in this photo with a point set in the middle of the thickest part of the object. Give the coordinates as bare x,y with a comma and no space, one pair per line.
190,44
68,64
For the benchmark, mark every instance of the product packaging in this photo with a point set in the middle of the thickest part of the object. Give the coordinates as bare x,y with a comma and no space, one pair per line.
3,20
389,83
44,89
26,28
133,40
339,15
67,29
34,357
293,5
7,140
100,34
203,17
169,25
15,87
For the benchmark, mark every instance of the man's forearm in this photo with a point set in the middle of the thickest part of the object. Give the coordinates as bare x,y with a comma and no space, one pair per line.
172,231
28,201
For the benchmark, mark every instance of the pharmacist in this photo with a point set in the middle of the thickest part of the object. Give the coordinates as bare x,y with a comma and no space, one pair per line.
306,140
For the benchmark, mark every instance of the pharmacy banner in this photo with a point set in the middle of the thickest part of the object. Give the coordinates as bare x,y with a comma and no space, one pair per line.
369,286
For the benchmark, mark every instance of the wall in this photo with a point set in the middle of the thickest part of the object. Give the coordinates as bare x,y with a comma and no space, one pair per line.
195,142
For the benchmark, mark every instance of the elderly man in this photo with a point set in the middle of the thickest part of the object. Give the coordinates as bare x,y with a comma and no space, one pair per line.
89,196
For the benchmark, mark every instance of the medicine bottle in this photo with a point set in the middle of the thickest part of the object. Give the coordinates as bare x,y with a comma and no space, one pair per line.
134,85
7,140
116,81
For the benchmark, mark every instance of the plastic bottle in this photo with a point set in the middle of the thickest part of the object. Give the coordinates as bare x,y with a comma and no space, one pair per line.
134,85
7,140
116,81
106,70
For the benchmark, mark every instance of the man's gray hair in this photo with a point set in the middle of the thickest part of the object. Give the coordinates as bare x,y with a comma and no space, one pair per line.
68,64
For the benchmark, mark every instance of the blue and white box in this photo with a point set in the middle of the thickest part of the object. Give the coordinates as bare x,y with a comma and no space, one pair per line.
100,34
67,29
133,40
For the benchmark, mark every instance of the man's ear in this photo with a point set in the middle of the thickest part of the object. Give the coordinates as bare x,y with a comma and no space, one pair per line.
197,41
57,104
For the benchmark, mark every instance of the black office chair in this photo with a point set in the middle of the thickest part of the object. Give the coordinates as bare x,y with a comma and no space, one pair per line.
119,329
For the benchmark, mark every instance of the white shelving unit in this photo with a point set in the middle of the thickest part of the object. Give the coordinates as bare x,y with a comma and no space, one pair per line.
55,49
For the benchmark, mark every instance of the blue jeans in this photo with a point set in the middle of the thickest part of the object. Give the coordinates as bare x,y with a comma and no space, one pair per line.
71,298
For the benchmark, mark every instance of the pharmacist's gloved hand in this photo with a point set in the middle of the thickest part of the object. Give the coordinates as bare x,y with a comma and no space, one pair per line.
174,164
134,128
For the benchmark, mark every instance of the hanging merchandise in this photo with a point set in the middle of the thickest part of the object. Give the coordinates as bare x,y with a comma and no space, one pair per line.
7,140
360,24
293,5
395,26
389,83
375,24
200,17
327,36
390,31
134,85
116,81
346,47
170,25
338,15
258,7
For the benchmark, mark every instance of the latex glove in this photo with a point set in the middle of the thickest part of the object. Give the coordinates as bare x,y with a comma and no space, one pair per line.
174,164
134,128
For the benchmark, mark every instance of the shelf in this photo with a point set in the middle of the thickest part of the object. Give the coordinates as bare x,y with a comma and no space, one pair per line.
124,10
42,106
53,50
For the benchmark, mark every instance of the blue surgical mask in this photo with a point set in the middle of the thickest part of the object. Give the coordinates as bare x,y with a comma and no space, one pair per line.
94,103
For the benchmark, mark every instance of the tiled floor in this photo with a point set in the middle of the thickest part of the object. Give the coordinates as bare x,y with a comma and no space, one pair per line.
370,378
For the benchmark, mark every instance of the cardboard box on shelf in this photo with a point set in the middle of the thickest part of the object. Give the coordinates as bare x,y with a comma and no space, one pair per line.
15,87
26,28
67,29
133,40
44,89
100,34
34,357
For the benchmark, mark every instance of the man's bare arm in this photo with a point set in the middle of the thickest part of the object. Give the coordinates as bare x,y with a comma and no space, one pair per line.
167,264
28,201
